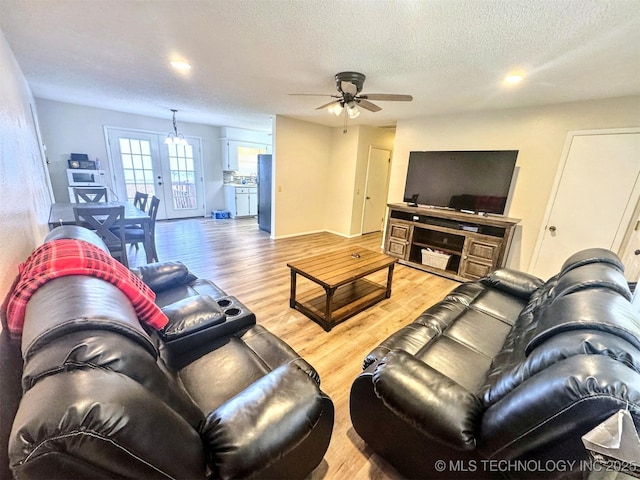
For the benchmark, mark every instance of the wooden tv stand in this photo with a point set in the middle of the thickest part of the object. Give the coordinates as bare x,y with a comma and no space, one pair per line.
477,244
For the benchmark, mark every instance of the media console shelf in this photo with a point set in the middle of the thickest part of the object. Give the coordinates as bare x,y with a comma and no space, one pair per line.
476,244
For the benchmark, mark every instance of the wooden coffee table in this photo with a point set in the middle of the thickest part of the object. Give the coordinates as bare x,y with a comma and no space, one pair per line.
341,274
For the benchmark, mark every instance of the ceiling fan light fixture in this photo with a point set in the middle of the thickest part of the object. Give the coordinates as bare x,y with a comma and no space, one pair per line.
352,110
336,109
175,138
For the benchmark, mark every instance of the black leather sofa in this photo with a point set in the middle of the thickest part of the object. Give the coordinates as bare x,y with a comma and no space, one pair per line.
213,395
504,376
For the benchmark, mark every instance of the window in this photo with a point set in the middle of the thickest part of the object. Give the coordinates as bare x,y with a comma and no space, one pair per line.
248,160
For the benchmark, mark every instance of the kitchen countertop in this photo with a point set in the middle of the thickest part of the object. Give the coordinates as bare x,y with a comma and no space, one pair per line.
242,185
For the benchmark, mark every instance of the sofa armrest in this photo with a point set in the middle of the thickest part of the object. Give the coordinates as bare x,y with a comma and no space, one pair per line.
428,400
517,283
96,423
555,407
162,275
190,315
260,425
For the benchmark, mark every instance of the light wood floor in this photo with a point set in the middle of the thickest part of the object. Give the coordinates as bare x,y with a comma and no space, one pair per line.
249,265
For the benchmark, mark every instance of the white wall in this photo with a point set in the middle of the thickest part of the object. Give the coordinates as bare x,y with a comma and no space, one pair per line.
301,170
539,133
25,198
340,180
68,128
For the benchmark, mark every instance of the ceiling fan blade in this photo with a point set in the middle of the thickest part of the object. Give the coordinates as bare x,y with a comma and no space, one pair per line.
348,87
367,105
391,97
328,104
314,95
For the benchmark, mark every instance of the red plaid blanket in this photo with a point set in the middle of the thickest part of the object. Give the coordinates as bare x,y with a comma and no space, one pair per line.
76,257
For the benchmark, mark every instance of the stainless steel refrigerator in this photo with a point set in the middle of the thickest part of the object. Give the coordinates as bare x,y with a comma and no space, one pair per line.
264,192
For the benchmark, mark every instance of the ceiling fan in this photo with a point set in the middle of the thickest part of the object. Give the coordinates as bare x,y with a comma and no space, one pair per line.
349,98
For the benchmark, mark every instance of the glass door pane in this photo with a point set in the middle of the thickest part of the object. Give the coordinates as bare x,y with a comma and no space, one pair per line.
137,166
182,177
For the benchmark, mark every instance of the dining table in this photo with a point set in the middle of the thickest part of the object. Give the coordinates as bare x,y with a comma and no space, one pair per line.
61,213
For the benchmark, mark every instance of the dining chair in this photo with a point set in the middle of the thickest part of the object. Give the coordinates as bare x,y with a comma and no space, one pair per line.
135,234
107,223
140,200
90,195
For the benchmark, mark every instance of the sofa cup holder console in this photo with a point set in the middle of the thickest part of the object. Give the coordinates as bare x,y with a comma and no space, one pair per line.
200,320
227,304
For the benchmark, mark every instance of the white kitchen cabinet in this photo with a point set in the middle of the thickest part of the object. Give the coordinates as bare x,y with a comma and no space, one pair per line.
229,151
253,202
235,152
241,201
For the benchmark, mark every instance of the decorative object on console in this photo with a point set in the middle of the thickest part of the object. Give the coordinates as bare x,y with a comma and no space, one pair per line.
174,137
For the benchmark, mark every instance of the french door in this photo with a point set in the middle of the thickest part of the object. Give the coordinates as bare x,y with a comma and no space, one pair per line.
141,161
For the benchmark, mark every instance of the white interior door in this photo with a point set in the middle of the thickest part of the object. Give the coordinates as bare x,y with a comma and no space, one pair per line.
377,183
140,161
592,205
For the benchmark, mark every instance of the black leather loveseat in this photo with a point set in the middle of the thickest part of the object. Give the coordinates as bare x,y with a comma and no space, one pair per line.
505,375
213,395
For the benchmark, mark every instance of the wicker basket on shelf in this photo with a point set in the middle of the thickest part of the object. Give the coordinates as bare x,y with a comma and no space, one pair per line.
435,259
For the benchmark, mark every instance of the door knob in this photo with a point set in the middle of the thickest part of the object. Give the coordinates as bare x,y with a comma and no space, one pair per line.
637,252
368,198
552,229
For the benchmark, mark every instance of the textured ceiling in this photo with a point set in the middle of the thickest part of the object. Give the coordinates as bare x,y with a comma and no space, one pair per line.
249,55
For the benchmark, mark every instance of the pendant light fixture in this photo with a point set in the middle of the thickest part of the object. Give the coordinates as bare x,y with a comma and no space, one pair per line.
175,138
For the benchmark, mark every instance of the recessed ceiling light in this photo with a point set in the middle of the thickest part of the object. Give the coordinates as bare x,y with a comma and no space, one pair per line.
513,78
180,65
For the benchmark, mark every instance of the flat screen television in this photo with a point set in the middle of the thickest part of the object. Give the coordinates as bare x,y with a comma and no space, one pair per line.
474,181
